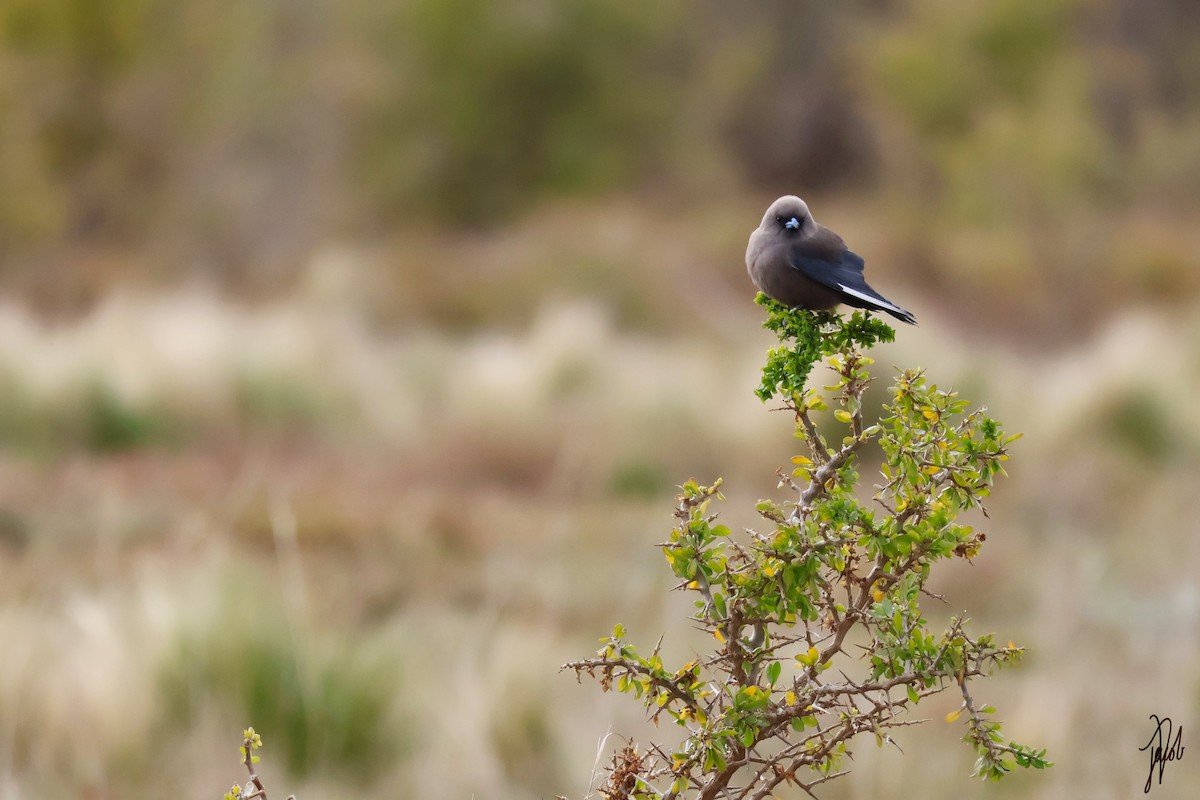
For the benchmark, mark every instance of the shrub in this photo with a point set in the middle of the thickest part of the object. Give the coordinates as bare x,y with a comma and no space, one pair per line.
828,567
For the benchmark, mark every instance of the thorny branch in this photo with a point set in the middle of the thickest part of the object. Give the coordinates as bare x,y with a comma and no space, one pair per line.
795,594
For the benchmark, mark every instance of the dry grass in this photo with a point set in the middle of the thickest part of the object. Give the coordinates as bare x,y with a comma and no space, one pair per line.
377,547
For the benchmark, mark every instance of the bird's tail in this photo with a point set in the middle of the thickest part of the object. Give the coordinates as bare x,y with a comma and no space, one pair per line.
902,315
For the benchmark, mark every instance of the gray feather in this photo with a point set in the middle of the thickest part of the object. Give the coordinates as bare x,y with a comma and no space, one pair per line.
809,266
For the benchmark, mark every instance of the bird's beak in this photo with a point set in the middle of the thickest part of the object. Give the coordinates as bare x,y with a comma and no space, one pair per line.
792,224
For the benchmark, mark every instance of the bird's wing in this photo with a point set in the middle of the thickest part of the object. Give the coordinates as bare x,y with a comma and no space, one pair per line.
829,263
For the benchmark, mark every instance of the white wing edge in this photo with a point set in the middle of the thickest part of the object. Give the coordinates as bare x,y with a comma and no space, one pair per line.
873,300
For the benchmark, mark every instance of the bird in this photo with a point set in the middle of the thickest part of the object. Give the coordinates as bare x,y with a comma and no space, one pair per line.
795,260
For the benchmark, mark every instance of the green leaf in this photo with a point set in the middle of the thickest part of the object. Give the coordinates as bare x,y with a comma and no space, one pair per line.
938,460
773,672
718,600
809,658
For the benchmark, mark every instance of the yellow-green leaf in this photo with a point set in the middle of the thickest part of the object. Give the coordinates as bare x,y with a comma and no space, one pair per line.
810,658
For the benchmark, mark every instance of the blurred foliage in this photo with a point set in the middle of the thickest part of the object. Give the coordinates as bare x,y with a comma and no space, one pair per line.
998,100
328,710
1140,424
421,506
278,401
988,54
231,139
96,418
639,478
112,424
496,103
1030,132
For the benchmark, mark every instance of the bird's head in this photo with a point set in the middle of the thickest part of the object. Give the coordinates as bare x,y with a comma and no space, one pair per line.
788,214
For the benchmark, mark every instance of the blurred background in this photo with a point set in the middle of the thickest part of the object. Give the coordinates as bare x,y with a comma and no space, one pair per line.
350,353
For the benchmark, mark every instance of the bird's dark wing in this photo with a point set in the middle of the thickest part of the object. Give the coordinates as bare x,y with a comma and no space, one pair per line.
826,260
